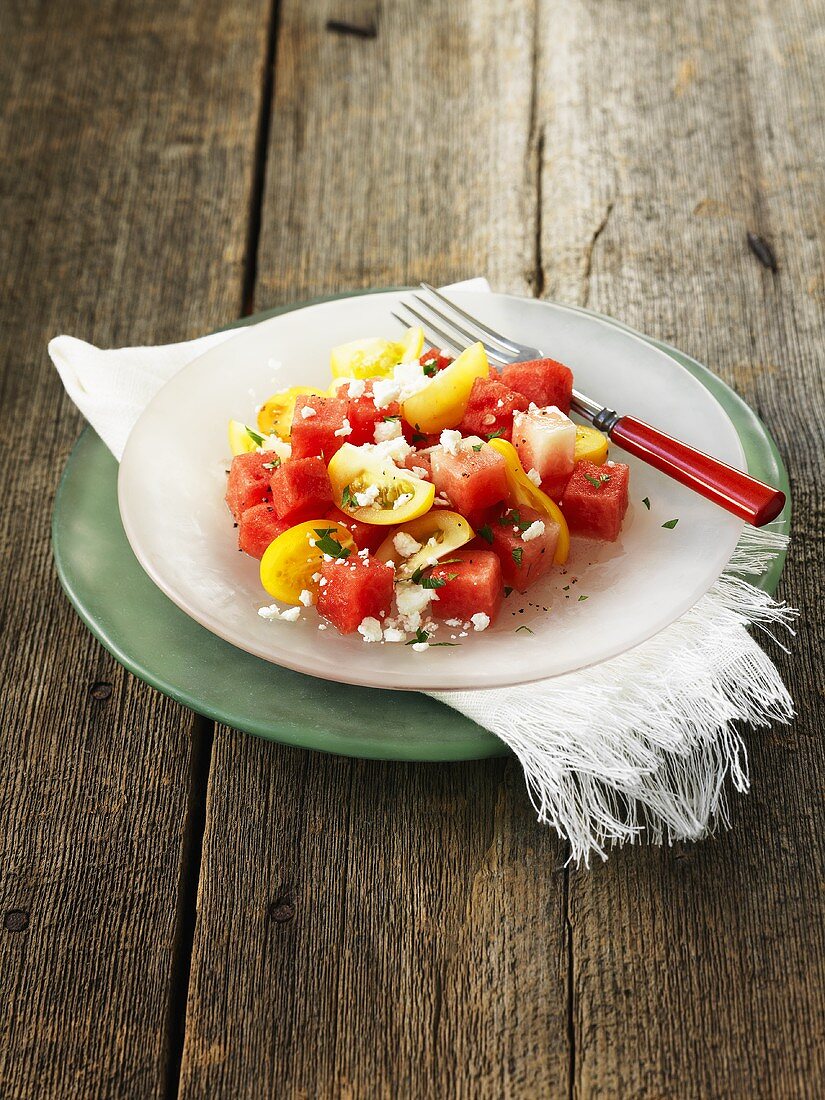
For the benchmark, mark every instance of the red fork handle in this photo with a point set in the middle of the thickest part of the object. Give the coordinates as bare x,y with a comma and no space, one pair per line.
732,490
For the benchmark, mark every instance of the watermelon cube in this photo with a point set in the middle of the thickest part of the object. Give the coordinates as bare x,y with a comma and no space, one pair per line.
546,442
248,482
473,583
434,360
368,536
523,560
257,528
314,432
595,500
542,381
490,409
354,589
300,489
471,479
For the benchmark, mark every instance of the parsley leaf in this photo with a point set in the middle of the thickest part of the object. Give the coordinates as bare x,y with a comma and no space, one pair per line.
646,503
671,523
329,545
433,582
477,446
420,636
486,533
273,465
518,554
257,439
430,367
526,630
347,499
497,434
582,598
597,482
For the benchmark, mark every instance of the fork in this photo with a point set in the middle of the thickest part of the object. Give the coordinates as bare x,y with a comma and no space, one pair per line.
450,327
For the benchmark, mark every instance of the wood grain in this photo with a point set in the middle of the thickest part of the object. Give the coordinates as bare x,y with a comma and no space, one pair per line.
699,971
126,156
425,953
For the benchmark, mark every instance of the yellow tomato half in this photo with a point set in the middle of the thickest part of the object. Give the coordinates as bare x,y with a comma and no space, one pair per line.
439,532
242,439
275,415
400,495
442,402
374,357
525,493
290,561
591,444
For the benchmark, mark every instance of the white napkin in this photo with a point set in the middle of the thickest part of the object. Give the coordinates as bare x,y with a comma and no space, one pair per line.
639,746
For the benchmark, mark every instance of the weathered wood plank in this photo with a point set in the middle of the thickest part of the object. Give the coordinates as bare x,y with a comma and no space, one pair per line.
373,929
668,133
126,157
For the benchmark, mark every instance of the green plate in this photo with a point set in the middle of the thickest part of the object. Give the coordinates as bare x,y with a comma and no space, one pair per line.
156,641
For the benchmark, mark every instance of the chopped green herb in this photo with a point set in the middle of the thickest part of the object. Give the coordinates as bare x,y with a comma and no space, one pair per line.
497,434
510,517
671,523
507,590
430,367
582,598
433,582
273,465
420,636
486,533
518,554
417,575
526,630
386,418
597,482
566,587
257,439
477,446
646,503
347,500
445,643
329,545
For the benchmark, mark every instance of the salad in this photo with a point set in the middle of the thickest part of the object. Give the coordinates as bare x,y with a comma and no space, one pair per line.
409,499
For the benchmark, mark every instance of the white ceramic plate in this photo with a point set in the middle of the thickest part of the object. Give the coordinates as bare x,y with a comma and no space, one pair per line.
173,474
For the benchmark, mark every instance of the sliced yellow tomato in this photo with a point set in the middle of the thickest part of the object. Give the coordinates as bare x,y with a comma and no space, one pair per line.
442,402
438,533
525,493
291,560
275,415
398,495
243,439
374,357
591,444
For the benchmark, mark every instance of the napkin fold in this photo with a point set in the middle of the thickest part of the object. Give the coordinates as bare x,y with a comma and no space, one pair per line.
637,747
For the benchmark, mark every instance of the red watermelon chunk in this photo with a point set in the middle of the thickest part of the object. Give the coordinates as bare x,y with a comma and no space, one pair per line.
354,589
542,381
522,563
434,360
300,489
595,500
314,436
471,480
257,528
248,482
368,536
490,409
473,583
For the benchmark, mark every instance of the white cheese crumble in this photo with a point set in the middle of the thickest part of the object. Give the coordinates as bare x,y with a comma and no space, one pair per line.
450,440
384,392
401,500
278,447
386,430
452,622
419,647
356,388
370,629
405,544
412,600
368,497
534,531
274,612
393,634
396,450
480,621
345,429
535,477
307,411
306,598
421,472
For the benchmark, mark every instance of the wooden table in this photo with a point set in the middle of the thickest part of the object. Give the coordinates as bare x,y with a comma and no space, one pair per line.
188,911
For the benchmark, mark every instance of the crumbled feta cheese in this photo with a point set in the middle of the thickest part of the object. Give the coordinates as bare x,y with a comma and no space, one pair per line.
419,647
291,615
345,428
401,500
356,388
316,577
534,476
450,440
384,392
452,622
306,598
392,450
443,500
322,626
307,411
393,634
405,544
274,612
386,430
499,404
367,497
277,446
480,621
412,600
534,531
420,472
532,407
410,378
370,629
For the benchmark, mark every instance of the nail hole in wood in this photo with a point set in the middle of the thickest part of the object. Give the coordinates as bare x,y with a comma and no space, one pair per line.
100,689
338,26
16,920
282,910
762,250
